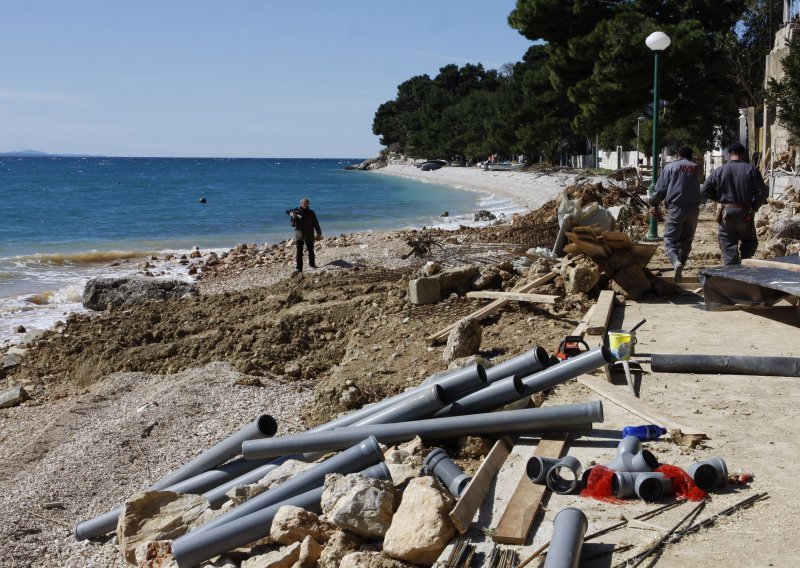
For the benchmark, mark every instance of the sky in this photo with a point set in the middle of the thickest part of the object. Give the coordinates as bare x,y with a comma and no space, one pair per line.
233,78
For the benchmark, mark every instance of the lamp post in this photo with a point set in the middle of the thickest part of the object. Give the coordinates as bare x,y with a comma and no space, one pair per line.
657,42
638,123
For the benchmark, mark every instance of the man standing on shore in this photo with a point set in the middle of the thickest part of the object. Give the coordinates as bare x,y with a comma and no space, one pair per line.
305,225
740,190
678,187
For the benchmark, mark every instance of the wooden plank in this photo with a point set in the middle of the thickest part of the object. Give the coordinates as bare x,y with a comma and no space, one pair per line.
760,263
625,400
617,240
580,329
515,296
517,519
474,494
602,313
489,309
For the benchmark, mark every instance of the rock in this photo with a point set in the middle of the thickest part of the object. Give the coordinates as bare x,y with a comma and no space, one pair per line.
10,360
282,558
158,555
293,524
19,329
445,214
431,268
457,279
487,278
464,340
424,290
283,472
13,397
462,362
101,292
349,397
370,560
402,472
310,551
292,369
357,504
155,515
474,446
340,545
420,528
484,215
581,278
414,447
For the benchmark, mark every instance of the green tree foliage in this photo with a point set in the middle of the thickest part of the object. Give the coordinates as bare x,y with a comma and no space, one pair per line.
753,42
784,94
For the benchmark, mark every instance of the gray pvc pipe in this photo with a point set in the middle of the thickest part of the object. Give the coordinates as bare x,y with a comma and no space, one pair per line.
528,420
563,476
646,485
439,465
206,481
420,405
264,426
198,546
631,456
569,528
521,365
537,468
356,458
726,364
710,473
511,389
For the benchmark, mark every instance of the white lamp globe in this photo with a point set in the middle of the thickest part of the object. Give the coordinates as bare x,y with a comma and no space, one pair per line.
658,41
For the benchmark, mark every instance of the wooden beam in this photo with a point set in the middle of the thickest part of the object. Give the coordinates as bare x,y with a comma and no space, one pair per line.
478,487
602,313
491,308
580,329
759,263
517,519
625,400
514,296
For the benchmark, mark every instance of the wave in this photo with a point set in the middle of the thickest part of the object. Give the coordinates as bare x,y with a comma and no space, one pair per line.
78,258
66,295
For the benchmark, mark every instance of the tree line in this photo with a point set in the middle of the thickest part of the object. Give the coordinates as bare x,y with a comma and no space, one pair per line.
589,75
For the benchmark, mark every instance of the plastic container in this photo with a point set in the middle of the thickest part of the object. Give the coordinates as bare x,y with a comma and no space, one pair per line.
645,432
621,344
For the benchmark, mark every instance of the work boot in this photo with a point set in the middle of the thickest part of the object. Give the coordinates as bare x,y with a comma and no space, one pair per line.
677,264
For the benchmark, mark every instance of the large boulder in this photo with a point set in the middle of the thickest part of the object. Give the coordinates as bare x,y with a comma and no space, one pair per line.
420,528
464,340
101,293
155,515
425,290
457,279
13,397
358,504
581,278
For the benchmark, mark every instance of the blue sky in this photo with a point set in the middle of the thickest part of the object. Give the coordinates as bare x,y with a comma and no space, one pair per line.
235,78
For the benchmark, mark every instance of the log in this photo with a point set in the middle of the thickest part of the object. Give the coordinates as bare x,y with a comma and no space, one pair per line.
602,313
516,296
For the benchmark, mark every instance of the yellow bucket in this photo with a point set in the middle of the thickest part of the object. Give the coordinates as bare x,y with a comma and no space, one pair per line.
621,344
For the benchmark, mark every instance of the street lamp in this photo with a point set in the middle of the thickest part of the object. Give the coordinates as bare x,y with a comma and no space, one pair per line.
657,42
638,123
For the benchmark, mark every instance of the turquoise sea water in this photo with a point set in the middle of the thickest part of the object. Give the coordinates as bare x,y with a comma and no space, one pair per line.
63,220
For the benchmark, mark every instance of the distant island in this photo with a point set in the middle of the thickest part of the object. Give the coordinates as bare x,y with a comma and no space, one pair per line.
38,154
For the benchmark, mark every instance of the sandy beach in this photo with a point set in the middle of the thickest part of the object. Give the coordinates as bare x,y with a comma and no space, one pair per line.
120,398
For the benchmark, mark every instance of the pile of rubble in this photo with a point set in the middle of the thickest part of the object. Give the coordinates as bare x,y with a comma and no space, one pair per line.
778,225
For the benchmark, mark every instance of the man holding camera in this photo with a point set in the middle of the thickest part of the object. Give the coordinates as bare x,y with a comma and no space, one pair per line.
305,224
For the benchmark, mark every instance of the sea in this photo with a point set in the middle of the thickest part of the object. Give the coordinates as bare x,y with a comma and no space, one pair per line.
64,220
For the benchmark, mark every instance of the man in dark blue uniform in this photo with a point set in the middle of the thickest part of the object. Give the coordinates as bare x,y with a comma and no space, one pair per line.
740,190
678,187
305,225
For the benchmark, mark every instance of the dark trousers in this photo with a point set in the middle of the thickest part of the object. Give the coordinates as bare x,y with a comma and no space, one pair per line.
310,247
679,228
737,235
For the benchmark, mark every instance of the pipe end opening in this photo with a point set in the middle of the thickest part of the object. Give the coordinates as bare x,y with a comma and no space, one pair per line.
267,425
562,479
650,489
705,476
481,371
534,468
542,356
650,459
615,485
440,395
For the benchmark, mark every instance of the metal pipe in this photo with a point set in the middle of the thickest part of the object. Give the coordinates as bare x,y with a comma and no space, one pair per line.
528,420
198,546
206,481
710,473
356,458
420,405
563,476
726,364
195,476
646,485
264,426
439,465
521,365
509,390
569,527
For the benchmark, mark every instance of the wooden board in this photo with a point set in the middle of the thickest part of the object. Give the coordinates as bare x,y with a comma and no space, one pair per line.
625,400
602,313
514,296
474,494
489,309
517,519
759,263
